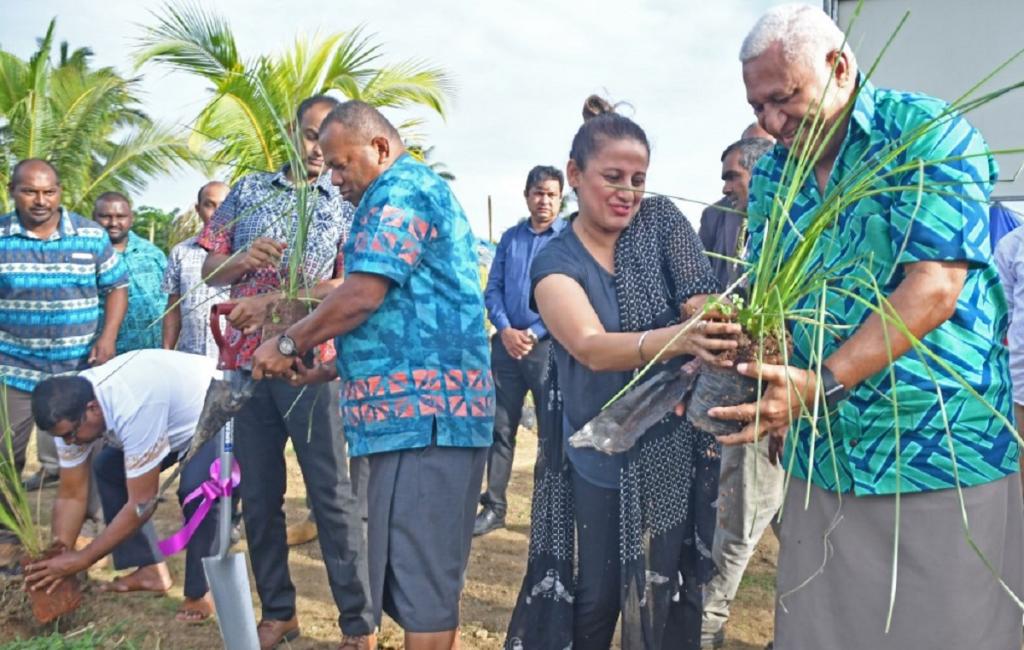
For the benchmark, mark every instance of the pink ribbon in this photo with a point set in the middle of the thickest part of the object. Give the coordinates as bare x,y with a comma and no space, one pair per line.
210,490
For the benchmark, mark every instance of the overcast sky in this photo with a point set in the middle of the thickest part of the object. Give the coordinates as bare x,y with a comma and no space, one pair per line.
522,70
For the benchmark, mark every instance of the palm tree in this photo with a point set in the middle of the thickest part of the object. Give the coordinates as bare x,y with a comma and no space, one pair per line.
87,122
252,100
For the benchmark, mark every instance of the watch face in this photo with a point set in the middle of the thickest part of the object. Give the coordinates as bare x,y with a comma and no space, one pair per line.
286,346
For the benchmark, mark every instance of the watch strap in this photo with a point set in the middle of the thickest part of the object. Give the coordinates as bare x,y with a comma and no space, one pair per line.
831,389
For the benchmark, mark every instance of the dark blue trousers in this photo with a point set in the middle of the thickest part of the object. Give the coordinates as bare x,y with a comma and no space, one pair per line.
140,549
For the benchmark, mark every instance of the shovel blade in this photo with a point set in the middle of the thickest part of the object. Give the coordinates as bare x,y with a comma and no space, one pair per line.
228,578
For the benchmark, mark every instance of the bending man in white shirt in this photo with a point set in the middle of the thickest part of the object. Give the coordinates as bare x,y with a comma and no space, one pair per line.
145,404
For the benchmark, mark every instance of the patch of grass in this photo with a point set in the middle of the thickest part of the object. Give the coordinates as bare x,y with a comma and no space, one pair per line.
86,638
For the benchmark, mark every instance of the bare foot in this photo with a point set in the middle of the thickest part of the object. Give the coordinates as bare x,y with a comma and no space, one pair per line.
195,610
155,578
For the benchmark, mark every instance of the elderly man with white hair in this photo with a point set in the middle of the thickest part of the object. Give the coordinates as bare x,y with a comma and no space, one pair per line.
886,487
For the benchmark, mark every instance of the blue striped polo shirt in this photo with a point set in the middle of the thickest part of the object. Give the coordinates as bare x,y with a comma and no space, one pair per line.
49,296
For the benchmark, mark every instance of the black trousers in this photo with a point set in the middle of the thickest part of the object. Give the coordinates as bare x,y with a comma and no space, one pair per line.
512,379
277,412
596,607
140,549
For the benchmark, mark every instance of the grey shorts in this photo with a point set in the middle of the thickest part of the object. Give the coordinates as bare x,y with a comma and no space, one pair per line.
422,503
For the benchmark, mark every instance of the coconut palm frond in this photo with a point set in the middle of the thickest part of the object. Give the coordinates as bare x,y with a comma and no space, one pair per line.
192,40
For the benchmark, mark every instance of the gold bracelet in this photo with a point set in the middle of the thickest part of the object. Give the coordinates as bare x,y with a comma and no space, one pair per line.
640,346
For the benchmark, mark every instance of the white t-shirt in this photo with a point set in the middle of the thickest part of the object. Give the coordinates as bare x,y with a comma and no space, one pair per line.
151,401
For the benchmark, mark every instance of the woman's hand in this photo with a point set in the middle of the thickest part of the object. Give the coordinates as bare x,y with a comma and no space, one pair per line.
706,339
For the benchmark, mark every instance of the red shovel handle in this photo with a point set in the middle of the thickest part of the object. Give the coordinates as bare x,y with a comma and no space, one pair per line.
228,353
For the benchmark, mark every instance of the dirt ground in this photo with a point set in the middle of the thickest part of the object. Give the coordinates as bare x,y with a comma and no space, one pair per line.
495,572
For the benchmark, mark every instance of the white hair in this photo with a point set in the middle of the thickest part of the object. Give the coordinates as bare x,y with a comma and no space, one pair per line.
806,35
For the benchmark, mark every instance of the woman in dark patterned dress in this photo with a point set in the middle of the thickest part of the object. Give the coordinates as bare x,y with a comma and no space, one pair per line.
627,533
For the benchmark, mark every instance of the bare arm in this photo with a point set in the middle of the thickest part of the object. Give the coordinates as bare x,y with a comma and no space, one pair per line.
344,309
571,319
114,309
47,574
172,321
70,505
141,489
222,269
925,299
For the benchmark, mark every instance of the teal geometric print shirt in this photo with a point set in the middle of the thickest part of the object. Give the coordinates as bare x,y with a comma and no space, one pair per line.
417,371
891,437
142,327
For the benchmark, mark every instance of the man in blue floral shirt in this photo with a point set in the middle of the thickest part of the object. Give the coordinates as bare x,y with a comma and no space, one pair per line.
145,264
417,394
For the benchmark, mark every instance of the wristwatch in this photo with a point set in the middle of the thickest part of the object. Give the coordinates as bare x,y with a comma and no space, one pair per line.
286,346
833,391
530,334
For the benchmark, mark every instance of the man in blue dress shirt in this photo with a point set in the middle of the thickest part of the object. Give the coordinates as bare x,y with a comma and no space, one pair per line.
519,350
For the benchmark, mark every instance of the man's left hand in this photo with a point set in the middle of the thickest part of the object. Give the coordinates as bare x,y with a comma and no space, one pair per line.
267,362
788,392
48,574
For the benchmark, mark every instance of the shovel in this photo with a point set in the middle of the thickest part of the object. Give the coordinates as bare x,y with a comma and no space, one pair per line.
228,575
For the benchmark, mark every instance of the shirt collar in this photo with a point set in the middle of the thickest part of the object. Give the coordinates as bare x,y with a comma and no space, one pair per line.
13,228
863,114
134,243
280,177
556,227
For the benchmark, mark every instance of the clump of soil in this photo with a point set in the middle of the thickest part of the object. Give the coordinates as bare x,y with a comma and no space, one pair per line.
282,314
746,351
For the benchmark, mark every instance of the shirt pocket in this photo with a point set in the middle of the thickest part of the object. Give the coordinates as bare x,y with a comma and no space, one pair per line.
80,269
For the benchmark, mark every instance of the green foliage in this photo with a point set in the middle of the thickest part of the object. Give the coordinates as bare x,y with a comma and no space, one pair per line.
15,508
252,99
85,121
156,225
87,638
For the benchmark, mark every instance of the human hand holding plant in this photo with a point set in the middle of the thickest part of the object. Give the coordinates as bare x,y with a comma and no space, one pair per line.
788,392
705,339
264,252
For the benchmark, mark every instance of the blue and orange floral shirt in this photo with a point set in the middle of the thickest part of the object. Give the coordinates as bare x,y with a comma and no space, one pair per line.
417,371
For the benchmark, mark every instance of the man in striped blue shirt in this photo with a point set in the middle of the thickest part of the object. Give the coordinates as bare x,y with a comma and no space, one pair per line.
55,267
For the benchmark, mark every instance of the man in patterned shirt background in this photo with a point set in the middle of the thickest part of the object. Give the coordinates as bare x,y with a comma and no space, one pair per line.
247,244
189,298
145,266
56,269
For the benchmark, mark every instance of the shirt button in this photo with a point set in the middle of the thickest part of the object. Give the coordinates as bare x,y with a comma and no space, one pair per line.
853,443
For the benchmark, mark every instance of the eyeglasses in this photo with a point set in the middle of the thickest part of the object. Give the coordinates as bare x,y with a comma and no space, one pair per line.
71,437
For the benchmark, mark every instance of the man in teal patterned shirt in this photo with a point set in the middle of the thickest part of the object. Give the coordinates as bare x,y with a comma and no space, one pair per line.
142,326
413,357
890,449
